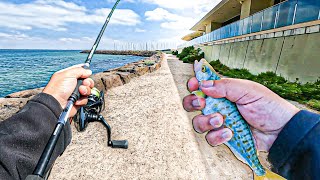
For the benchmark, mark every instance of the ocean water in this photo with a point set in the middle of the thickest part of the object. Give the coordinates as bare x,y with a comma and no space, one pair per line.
28,69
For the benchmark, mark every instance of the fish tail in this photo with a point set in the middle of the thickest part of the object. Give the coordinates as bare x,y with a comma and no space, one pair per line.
268,176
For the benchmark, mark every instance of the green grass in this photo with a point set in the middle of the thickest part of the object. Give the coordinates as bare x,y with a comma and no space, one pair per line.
308,94
315,104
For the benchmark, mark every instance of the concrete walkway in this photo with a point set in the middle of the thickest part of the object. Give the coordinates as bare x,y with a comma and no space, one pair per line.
162,142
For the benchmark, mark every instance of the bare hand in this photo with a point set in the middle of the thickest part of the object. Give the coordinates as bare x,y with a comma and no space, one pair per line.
266,112
63,83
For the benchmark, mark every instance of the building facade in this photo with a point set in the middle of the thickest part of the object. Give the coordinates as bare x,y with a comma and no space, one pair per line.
263,35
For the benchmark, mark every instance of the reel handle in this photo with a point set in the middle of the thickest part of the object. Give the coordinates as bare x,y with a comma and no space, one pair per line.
122,144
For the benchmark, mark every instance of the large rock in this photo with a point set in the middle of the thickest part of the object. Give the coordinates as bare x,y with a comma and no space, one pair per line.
111,80
141,70
98,81
25,94
126,76
130,69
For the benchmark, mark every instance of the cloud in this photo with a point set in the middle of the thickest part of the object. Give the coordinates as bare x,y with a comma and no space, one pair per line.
138,30
186,12
171,21
129,1
56,14
198,6
160,14
16,36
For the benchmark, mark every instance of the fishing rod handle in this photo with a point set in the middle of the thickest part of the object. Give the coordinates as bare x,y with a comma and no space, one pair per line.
75,96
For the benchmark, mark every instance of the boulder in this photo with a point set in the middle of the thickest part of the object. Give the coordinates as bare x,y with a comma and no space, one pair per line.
98,82
25,94
157,66
111,80
142,70
126,76
130,69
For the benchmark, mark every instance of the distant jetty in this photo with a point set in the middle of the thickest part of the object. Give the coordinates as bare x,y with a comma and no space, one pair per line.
133,53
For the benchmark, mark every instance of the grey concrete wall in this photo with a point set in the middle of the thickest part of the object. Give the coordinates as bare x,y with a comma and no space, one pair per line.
300,58
263,55
207,52
224,53
215,52
238,54
291,57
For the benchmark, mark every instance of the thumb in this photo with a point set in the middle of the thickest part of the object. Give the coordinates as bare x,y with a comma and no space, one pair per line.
232,89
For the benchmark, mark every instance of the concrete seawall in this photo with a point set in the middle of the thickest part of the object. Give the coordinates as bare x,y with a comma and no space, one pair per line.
291,51
293,57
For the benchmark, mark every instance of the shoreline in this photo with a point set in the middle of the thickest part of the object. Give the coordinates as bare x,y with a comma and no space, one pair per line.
103,81
115,52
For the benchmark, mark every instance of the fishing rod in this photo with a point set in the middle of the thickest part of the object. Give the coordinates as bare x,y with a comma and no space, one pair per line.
39,172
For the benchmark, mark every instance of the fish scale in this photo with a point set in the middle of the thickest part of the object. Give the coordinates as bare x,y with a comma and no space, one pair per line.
241,132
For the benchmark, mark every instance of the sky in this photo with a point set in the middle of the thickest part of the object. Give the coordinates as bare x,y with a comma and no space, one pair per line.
74,24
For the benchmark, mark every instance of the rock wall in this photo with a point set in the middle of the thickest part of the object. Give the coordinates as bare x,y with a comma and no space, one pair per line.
103,81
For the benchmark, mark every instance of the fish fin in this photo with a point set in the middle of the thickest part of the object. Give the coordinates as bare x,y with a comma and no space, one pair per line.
199,94
268,176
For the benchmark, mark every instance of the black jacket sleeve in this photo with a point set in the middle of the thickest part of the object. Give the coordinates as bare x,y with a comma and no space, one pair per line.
24,136
296,152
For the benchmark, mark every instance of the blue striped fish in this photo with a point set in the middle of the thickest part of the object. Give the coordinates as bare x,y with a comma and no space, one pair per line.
242,143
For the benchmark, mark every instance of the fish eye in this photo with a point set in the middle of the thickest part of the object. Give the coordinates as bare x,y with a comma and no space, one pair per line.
203,69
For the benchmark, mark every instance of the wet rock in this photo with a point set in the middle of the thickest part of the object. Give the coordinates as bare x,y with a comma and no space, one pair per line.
25,94
111,80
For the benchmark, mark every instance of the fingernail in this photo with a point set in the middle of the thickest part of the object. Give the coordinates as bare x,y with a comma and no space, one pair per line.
215,122
226,135
188,85
207,84
196,103
85,91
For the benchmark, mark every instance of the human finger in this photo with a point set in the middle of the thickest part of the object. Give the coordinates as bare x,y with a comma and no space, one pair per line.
82,101
88,82
232,89
215,138
84,90
193,103
193,84
77,72
204,123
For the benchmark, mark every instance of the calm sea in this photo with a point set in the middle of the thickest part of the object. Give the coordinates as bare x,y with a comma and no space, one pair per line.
28,69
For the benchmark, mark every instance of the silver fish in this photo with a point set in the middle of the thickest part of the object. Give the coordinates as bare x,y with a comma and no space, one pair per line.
242,143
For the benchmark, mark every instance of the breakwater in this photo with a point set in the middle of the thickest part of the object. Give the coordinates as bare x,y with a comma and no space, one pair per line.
103,81
133,53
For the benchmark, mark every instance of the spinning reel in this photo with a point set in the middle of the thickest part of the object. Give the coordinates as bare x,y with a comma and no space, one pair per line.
91,113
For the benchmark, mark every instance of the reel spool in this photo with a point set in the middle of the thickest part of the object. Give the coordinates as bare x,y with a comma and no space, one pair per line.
91,113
